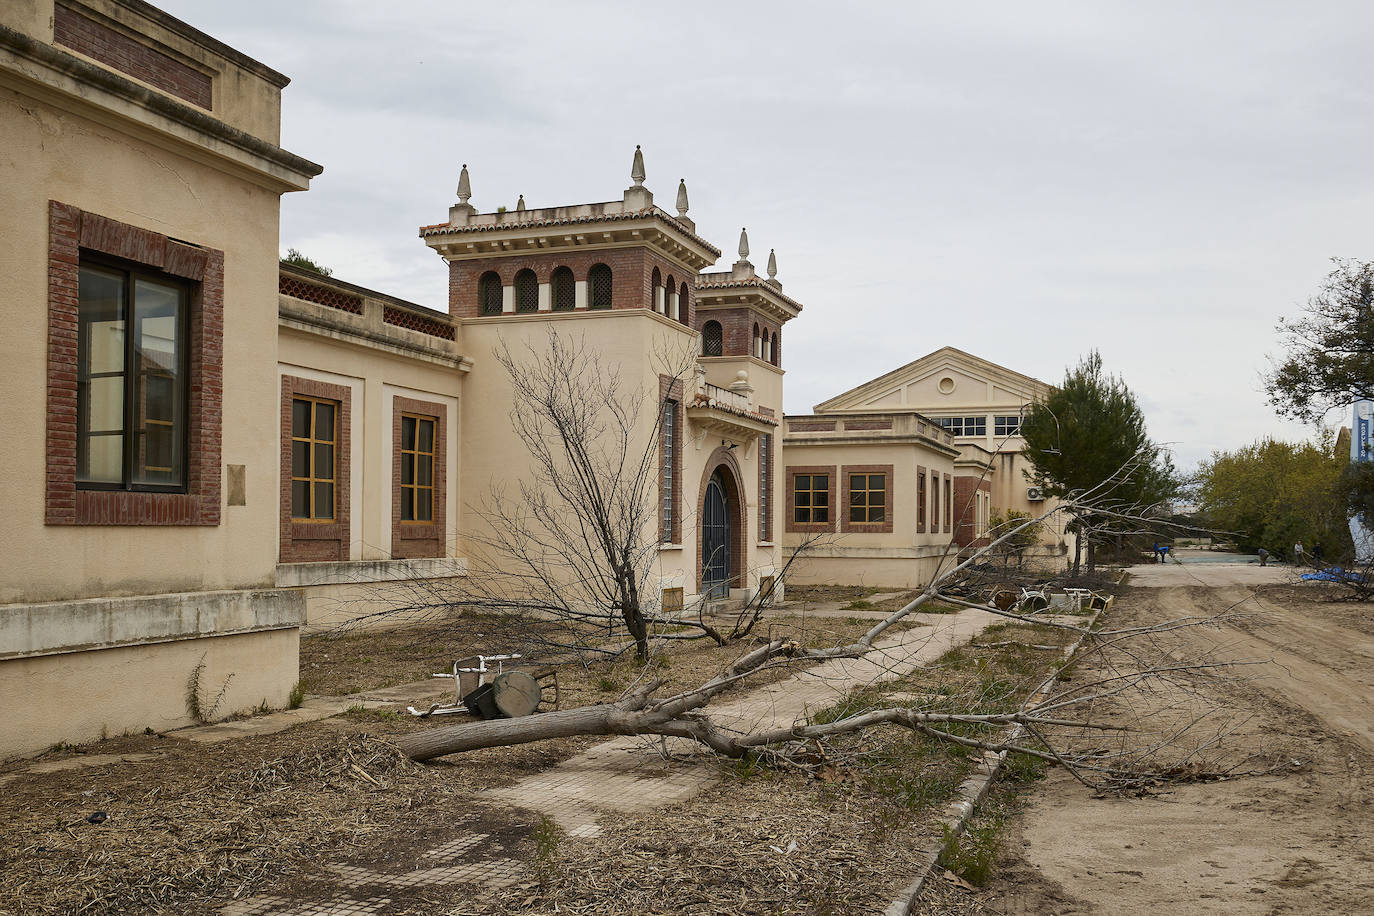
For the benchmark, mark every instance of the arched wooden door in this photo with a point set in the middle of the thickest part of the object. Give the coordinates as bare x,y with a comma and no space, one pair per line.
715,541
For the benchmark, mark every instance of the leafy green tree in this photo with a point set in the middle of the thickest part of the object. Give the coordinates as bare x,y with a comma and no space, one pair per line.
296,259
1272,494
1091,430
1329,359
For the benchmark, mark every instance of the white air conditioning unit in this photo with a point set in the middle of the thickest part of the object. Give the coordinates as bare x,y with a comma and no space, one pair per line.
1035,494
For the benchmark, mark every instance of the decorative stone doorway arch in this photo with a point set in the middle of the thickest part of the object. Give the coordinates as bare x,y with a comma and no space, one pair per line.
722,527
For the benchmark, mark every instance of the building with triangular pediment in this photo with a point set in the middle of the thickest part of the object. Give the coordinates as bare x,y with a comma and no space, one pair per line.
921,457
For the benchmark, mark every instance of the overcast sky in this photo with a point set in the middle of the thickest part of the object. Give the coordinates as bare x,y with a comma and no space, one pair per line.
1025,181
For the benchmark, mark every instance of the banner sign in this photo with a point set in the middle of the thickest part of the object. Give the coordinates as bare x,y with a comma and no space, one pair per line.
1362,449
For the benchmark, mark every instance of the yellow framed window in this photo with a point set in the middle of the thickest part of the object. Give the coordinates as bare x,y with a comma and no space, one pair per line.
313,441
417,469
811,499
867,498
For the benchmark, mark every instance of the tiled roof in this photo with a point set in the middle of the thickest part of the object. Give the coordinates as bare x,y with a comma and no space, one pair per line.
725,281
514,221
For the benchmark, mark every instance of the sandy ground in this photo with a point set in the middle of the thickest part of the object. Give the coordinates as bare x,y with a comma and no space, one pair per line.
1299,841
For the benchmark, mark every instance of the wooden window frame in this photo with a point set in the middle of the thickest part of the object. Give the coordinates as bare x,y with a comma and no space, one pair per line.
312,480
322,540
847,473
416,539
412,457
131,272
766,504
791,524
949,504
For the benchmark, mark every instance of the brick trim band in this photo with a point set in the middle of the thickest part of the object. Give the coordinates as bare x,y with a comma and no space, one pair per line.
410,540
317,542
70,230
128,55
883,527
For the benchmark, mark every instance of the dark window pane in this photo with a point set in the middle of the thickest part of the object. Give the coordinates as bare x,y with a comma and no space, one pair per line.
423,498
820,515
803,498
426,435
802,516
526,291
300,419
159,398
324,500
408,433
407,504
875,513
424,471
858,498
324,422
821,497
856,514
300,499
300,459
803,482
324,462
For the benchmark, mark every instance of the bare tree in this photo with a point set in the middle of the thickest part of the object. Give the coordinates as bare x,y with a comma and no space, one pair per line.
567,551
1040,721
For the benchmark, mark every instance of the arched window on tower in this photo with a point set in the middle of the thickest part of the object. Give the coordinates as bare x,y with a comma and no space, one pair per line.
683,306
489,293
712,339
526,291
656,291
670,298
599,281
773,356
564,290
756,343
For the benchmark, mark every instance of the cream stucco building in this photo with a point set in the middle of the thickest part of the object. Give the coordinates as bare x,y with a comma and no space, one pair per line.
209,451
139,200
910,467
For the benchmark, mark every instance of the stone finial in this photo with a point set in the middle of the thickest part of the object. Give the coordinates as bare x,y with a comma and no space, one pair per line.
681,197
464,185
520,204
637,168
772,264
744,244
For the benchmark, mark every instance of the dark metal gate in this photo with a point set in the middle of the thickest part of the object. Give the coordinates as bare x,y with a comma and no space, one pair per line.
715,541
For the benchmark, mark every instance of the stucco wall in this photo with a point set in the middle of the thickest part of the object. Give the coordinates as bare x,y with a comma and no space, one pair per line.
62,156
375,378
78,697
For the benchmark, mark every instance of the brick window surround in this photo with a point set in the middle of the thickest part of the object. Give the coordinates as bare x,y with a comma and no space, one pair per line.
723,460
883,527
410,540
790,523
670,389
70,231
920,500
316,542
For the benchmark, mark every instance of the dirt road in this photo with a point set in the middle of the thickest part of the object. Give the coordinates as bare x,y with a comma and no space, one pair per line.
1299,842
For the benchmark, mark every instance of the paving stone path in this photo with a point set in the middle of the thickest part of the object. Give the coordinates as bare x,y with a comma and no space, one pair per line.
626,774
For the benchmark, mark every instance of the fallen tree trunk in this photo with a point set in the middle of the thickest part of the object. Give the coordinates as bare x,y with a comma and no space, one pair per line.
606,719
